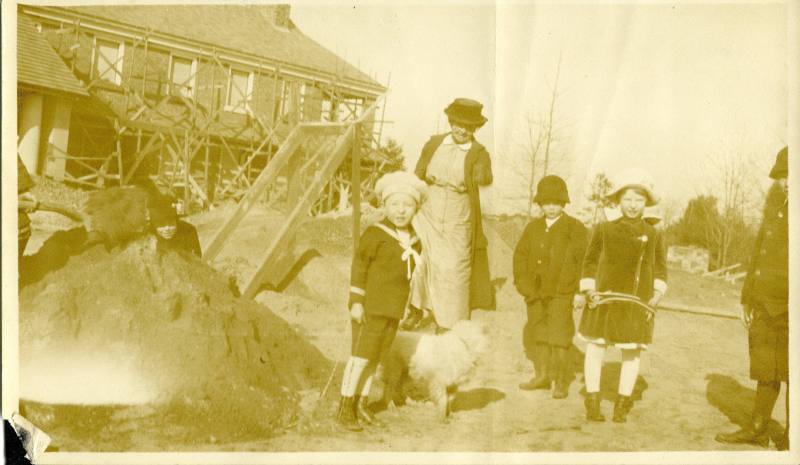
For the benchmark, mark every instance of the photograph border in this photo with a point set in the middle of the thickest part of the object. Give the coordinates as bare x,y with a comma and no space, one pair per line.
10,313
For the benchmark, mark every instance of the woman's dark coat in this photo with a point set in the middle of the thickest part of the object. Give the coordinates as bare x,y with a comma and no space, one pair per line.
477,172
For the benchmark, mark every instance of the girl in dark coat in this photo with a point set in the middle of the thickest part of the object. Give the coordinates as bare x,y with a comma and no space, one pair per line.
627,256
765,302
547,265
455,276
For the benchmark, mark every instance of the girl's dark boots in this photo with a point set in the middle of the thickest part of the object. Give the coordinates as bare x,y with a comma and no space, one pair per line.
363,412
622,406
592,404
347,414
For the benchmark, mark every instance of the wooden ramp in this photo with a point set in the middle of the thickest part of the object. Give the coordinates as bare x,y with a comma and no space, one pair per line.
294,179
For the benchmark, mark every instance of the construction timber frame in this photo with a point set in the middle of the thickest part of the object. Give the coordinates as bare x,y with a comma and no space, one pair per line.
319,150
138,125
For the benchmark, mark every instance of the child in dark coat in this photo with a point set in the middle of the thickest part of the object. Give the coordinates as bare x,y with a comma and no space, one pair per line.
379,287
765,305
547,261
626,255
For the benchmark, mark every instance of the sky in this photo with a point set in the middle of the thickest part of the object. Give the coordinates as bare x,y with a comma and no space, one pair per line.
657,86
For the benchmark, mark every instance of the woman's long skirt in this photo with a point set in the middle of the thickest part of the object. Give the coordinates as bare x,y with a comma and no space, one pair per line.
441,282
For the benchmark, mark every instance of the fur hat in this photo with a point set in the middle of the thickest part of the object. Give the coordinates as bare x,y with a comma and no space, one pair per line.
400,181
551,189
781,167
466,111
634,178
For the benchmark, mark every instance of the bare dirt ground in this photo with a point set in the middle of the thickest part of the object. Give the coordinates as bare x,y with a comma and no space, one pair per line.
693,381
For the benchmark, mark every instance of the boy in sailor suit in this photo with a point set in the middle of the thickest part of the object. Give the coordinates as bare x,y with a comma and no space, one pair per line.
379,287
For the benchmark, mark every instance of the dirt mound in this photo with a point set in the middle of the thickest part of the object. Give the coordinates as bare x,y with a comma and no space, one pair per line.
134,326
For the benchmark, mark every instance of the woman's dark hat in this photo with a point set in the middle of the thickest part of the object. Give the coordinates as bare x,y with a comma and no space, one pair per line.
466,111
781,167
551,189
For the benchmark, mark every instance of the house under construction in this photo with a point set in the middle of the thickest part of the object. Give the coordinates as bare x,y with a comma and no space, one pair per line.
198,98
210,102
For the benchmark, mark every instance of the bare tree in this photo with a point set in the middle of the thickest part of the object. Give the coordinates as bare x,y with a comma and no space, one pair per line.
729,178
536,154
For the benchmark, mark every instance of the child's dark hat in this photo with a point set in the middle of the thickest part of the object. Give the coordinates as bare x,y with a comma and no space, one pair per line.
551,189
467,112
781,167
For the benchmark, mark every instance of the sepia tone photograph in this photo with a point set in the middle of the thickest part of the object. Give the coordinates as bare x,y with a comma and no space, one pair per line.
318,232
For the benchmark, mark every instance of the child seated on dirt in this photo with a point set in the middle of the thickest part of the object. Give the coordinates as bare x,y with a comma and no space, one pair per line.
171,232
547,267
379,287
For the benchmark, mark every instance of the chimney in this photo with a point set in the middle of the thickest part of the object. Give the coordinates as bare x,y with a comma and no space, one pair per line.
281,15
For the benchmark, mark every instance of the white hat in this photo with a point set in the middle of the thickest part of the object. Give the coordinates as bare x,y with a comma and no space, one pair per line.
400,182
635,178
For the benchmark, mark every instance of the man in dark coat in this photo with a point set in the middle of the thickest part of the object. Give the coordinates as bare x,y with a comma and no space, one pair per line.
547,262
765,303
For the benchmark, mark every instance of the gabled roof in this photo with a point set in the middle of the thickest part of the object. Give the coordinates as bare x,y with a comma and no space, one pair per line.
39,65
243,28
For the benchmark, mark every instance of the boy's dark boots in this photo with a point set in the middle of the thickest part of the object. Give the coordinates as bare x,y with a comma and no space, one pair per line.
753,433
622,407
592,404
541,364
563,372
363,412
756,431
347,414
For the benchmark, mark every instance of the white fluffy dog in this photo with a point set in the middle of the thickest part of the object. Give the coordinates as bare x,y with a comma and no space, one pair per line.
428,366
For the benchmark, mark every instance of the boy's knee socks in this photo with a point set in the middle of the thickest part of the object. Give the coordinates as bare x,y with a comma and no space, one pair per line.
352,374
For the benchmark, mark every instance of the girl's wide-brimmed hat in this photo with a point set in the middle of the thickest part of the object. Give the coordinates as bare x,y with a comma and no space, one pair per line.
467,112
551,189
781,167
634,178
401,182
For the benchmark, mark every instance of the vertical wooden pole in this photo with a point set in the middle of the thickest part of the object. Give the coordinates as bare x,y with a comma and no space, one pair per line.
186,189
355,186
206,171
144,68
119,130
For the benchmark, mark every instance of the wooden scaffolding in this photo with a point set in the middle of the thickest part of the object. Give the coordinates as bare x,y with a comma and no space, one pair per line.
154,128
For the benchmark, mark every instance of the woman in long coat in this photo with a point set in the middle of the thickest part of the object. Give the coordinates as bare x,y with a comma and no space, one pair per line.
765,301
454,277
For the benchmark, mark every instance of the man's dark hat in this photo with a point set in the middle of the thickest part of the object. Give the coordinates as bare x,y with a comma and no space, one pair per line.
551,189
781,167
466,111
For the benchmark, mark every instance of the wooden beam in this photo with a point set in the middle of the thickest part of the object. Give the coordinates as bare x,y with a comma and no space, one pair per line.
265,178
330,165
355,187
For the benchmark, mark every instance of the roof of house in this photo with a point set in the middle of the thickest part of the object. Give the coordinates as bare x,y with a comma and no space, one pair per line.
244,28
39,65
